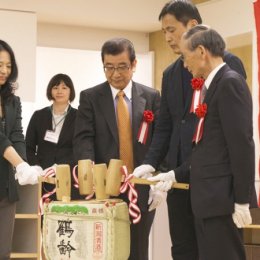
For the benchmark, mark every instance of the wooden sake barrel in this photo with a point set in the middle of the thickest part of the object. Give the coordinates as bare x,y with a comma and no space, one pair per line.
82,230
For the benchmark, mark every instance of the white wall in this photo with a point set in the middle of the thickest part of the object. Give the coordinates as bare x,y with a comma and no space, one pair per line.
228,17
76,37
18,29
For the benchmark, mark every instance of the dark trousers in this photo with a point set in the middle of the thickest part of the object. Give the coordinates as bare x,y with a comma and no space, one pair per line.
7,214
139,249
219,238
181,222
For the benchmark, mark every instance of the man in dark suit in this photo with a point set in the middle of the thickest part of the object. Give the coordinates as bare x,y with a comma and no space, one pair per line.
222,162
175,127
96,130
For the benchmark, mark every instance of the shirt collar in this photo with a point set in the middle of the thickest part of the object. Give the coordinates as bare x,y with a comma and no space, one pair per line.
212,74
127,90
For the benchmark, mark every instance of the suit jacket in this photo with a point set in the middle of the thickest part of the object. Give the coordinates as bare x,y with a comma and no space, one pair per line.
222,163
96,133
44,153
11,135
176,125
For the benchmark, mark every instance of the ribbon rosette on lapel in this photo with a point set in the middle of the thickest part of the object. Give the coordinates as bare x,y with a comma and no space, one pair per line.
201,112
148,118
196,84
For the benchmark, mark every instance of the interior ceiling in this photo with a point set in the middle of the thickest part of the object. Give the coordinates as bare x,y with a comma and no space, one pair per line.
131,15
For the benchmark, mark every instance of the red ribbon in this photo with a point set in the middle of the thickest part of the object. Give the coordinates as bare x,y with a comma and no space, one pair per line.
134,210
143,133
148,118
201,112
196,84
50,172
199,131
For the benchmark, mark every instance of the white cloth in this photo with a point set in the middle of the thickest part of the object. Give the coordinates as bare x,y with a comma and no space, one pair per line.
27,174
143,171
241,215
165,179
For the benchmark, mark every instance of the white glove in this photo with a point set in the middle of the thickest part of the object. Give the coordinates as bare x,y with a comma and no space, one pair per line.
155,198
143,171
165,179
27,174
241,215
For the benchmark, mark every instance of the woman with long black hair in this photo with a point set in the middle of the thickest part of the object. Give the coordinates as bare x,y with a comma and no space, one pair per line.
12,149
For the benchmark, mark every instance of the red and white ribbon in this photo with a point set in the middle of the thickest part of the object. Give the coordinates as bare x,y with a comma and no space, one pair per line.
195,100
199,131
76,183
49,172
75,177
148,118
134,210
143,133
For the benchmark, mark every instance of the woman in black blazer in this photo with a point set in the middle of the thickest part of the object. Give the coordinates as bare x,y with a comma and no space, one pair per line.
50,131
12,149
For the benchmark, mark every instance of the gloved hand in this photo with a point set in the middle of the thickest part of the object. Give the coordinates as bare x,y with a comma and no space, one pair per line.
155,198
27,174
165,179
143,171
241,215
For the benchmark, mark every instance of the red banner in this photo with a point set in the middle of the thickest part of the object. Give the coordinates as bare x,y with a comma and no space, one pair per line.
257,24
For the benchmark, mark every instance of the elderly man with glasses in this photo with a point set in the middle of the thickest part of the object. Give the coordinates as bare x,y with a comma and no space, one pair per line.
107,125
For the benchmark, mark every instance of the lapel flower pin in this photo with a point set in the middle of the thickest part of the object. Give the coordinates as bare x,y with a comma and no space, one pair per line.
196,84
201,112
148,118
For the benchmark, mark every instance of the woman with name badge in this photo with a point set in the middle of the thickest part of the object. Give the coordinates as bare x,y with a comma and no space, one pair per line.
50,131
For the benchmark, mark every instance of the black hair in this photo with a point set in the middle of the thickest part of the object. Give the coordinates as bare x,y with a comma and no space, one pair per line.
56,80
116,46
7,89
182,10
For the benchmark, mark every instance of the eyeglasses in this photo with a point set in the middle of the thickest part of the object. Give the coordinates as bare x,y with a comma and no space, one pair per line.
120,69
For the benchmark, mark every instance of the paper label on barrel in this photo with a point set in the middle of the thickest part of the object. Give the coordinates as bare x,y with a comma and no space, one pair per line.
83,230
75,237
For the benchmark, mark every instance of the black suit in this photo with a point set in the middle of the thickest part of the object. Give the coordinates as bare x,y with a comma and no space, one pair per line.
173,136
11,134
222,166
96,138
44,153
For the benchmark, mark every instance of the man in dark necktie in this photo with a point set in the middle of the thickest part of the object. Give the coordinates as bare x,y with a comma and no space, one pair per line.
176,125
222,161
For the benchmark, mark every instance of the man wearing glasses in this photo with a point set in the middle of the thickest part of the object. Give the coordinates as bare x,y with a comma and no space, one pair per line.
99,126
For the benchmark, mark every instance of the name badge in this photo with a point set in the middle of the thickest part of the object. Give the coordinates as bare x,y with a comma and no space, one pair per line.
51,136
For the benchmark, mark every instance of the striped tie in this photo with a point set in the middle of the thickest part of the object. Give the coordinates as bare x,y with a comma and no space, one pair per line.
125,132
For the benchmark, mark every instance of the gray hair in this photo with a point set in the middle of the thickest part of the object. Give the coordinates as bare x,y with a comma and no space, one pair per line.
207,37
